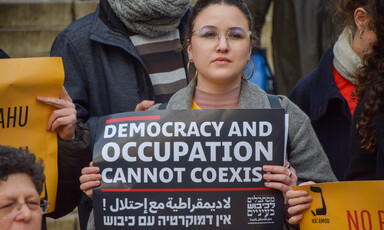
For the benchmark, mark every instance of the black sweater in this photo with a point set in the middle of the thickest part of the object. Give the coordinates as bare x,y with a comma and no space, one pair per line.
364,165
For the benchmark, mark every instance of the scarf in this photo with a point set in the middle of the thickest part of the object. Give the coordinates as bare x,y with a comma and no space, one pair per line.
346,61
148,17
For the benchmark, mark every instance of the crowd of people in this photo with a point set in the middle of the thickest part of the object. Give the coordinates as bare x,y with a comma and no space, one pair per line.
140,55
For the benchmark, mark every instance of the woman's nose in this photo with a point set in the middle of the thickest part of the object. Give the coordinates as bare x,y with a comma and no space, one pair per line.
24,213
222,45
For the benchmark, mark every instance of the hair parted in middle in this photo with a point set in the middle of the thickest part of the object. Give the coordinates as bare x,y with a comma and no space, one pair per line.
202,4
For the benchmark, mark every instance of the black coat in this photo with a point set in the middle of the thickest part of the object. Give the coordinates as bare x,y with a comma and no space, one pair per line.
364,165
318,96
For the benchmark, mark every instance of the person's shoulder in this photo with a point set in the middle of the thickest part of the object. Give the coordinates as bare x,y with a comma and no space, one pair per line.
312,77
305,85
291,107
79,27
179,95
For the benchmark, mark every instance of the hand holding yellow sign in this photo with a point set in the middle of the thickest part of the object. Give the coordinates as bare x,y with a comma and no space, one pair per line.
23,119
344,205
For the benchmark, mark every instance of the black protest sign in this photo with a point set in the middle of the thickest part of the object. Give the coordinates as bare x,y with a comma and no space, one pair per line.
199,169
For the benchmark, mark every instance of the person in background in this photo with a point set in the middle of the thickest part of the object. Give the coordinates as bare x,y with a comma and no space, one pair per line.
74,145
302,31
328,94
21,183
121,54
366,145
367,135
219,44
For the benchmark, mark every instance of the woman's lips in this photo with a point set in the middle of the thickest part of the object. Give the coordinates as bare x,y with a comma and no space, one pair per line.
221,60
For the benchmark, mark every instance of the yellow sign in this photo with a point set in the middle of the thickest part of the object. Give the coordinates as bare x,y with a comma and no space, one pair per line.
348,205
23,119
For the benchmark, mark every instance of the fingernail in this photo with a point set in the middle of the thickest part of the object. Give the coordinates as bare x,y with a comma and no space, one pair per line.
265,168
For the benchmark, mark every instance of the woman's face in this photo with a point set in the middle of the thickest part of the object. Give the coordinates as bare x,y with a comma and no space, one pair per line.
221,59
19,203
364,36
363,44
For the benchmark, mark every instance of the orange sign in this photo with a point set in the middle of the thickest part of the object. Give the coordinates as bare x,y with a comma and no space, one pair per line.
351,205
23,119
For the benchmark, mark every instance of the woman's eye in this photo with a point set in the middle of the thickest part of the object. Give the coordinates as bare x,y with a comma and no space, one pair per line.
235,35
8,205
209,34
33,204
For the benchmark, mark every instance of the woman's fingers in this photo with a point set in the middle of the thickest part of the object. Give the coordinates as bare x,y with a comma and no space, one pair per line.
87,187
89,179
144,105
284,174
293,220
307,183
278,185
90,170
298,201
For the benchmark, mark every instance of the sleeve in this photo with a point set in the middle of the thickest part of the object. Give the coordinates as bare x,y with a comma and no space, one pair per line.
306,153
75,76
300,95
72,157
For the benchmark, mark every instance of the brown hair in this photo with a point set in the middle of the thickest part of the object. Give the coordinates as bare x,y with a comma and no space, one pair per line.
370,77
16,160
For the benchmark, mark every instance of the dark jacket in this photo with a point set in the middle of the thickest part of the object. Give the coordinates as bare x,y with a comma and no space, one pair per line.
103,72
318,96
365,165
72,157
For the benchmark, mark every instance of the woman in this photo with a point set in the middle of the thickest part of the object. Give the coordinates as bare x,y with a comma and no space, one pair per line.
219,43
365,21
328,94
21,183
367,138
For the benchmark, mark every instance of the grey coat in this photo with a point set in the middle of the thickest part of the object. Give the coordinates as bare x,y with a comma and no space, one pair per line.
306,154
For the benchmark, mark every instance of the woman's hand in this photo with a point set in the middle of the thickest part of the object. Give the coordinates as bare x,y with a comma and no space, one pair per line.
89,179
144,105
280,177
63,119
298,201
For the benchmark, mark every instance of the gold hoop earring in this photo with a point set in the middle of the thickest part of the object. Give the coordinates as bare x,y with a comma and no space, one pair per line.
253,70
194,76
361,34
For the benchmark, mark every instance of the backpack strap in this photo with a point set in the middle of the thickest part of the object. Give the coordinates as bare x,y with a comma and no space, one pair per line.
274,101
163,106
